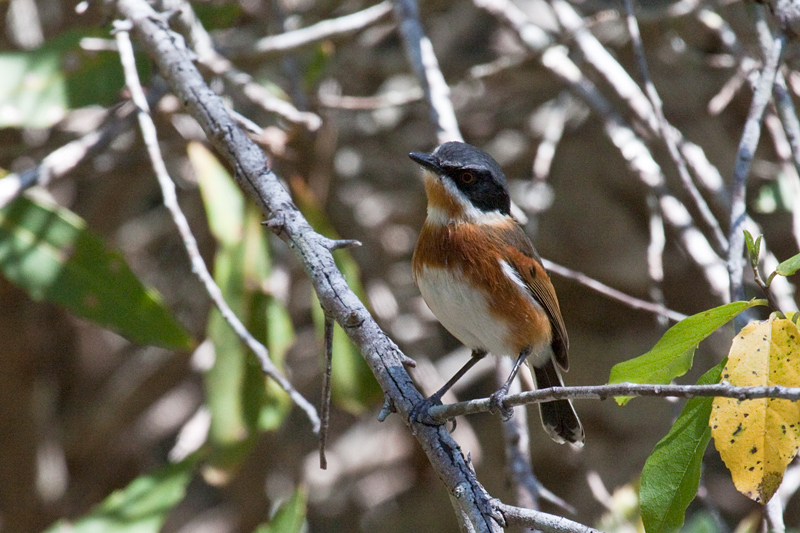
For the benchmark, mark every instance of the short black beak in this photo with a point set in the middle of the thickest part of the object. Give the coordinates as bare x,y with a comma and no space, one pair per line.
427,161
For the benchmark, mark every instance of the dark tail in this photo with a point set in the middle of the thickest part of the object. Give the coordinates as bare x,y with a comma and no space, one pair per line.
558,417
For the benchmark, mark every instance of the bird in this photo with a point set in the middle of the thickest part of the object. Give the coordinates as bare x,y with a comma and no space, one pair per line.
480,275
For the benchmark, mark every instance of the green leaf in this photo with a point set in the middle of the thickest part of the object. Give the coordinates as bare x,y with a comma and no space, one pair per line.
215,16
33,90
290,516
223,200
702,522
753,247
789,267
48,251
671,474
240,398
672,355
141,507
38,86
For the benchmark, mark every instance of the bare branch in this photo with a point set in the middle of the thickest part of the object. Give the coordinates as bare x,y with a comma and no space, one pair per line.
618,78
200,41
655,253
611,292
632,148
517,446
527,487
744,157
420,54
325,411
442,413
544,522
315,33
390,99
665,130
254,176
63,160
171,202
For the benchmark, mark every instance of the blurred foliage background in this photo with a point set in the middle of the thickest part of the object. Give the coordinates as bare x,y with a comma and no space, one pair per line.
116,379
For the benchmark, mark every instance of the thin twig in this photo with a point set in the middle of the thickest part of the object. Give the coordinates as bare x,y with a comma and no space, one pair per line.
381,101
613,293
426,67
171,202
325,401
642,163
791,126
598,56
773,514
631,146
744,158
240,81
442,413
63,160
515,440
544,522
788,116
315,33
665,130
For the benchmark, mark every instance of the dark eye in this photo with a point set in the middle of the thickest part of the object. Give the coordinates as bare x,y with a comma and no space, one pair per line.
467,177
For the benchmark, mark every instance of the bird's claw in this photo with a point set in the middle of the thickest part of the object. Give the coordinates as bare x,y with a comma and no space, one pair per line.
419,413
496,405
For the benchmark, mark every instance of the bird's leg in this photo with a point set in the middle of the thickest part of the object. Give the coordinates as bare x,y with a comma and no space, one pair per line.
420,411
496,399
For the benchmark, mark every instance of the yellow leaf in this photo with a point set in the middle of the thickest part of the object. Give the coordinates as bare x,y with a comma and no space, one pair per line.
758,438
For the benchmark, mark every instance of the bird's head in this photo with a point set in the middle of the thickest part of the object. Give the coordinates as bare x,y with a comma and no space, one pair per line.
463,183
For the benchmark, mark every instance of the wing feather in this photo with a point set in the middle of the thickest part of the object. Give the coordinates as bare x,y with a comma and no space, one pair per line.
522,256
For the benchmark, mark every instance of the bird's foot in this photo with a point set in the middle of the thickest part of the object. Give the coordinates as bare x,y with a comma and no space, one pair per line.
419,413
496,405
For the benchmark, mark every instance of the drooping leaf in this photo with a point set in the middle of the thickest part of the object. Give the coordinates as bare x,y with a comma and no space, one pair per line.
671,474
141,507
758,438
673,353
290,517
223,200
242,401
48,251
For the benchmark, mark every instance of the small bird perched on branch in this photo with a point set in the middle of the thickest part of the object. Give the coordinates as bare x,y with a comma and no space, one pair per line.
482,278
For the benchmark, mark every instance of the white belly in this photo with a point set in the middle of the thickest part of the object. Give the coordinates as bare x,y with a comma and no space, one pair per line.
464,311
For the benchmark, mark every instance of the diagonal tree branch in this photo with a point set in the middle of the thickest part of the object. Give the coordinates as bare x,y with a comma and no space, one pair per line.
150,136
252,173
